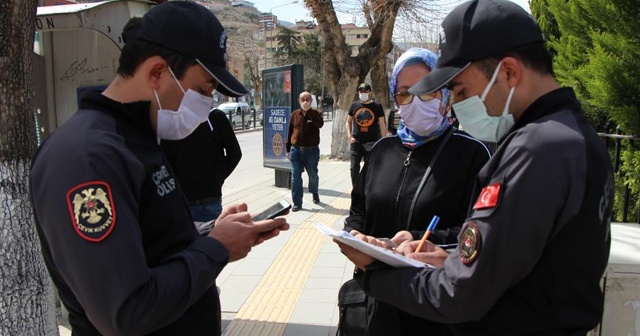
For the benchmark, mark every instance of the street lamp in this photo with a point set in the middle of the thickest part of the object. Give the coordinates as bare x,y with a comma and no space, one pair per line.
271,30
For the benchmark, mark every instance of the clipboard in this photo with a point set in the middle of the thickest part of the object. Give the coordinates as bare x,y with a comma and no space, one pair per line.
388,257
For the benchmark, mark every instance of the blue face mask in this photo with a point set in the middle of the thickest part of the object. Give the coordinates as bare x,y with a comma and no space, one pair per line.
474,119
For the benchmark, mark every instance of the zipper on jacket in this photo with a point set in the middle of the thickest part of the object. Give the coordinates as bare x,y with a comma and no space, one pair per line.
407,163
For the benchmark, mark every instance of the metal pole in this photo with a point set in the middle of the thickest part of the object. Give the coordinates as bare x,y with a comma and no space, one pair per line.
271,32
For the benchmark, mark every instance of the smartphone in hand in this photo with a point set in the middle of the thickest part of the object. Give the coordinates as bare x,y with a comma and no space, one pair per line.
273,211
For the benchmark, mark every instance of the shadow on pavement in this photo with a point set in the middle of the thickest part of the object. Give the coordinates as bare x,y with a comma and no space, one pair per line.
265,328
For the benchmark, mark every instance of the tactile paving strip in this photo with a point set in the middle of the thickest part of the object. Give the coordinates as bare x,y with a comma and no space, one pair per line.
268,308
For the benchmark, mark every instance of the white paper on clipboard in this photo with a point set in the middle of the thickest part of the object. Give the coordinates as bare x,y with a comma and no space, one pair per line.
388,257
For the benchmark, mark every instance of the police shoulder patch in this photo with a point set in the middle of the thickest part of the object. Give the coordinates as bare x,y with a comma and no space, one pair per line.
469,244
92,210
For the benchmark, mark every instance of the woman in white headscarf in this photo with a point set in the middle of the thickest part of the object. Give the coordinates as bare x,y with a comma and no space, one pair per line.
426,170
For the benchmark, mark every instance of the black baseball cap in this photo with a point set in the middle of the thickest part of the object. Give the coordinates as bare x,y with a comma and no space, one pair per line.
192,30
364,86
477,30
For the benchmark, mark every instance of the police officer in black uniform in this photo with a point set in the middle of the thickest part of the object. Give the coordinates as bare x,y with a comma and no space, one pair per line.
114,224
536,242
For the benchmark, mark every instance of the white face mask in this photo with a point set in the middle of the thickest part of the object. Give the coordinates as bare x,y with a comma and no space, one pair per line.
474,119
363,96
421,117
305,105
193,110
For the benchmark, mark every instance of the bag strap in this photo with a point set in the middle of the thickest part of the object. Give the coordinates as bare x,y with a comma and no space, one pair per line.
426,175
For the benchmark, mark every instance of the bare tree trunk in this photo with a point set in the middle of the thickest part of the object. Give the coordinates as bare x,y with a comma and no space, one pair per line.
257,88
244,49
339,140
251,60
26,303
343,72
380,83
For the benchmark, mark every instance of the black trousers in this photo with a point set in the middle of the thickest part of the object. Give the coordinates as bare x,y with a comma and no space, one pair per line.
358,153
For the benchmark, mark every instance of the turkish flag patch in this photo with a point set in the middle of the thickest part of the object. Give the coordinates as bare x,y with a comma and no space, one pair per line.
92,211
489,197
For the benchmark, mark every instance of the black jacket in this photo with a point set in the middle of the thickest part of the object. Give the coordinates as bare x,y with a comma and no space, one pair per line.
115,229
542,236
382,197
204,159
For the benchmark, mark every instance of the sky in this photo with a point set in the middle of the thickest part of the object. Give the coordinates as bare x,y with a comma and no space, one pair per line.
288,11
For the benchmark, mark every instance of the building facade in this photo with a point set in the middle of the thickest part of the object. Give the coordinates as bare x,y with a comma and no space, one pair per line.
244,4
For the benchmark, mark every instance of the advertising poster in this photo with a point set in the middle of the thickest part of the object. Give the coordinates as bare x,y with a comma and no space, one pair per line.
287,81
281,87
277,102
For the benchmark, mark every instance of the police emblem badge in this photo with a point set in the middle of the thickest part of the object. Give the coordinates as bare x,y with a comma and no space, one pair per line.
92,210
469,245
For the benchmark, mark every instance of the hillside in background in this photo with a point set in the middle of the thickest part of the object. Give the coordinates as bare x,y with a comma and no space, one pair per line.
239,22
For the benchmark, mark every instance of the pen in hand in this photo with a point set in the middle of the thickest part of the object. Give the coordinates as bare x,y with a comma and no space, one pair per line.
431,227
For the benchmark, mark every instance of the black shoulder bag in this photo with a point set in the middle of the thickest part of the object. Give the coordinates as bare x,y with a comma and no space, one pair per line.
356,308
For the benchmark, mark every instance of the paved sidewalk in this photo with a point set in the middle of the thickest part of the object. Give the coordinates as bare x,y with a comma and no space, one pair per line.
289,285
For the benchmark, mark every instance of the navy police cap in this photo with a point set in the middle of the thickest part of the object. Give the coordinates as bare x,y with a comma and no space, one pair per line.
477,30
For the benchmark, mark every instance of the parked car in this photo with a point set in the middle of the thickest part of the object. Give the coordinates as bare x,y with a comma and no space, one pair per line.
238,113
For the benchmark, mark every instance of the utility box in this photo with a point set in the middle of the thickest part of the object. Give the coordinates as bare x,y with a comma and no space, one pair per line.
76,48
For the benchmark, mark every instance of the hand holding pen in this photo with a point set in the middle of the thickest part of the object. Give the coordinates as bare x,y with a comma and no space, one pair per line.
431,227
424,250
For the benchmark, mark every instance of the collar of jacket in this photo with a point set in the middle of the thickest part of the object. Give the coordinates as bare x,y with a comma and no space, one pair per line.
136,113
552,102
300,110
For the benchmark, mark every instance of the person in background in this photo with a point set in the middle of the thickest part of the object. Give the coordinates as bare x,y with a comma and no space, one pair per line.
302,149
114,225
390,200
365,125
202,161
532,252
